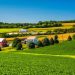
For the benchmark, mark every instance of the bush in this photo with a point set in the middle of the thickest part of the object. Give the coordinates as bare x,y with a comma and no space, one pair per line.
46,42
31,45
73,36
0,49
56,39
52,41
39,44
69,38
15,42
19,46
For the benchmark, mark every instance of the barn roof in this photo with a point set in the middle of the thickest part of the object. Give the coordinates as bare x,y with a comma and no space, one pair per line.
1,39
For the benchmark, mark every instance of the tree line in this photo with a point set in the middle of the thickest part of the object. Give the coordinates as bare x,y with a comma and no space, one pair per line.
17,44
49,32
40,24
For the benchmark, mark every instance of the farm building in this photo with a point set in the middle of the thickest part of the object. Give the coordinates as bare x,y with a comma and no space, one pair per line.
3,42
23,30
32,39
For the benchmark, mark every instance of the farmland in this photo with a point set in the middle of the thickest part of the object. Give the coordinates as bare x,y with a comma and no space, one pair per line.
65,26
58,59
40,37
7,30
61,36
51,60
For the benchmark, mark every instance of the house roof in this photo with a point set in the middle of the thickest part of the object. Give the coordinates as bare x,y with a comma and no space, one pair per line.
32,37
1,39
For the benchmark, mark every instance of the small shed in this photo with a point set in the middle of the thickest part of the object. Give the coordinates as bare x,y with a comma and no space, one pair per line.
3,42
32,39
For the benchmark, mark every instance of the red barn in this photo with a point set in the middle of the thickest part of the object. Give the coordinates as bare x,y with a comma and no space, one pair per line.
3,42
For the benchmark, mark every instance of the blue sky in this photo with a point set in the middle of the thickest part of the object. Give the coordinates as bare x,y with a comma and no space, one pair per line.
36,10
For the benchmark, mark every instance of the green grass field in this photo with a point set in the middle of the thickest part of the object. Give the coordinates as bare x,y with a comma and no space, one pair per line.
51,60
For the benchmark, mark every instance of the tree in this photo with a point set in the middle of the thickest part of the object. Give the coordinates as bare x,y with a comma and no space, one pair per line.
56,39
15,42
0,49
46,42
52,41
19,46
39,44
69,38
48,32
31,45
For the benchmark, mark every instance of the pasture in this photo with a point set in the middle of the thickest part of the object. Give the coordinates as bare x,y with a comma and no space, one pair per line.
58,59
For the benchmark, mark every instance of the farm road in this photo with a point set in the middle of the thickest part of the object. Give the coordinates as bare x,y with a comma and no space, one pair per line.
36,54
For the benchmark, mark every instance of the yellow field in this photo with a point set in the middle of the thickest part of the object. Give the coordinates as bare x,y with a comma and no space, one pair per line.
60,36
68,24
10,39
47,29
5,30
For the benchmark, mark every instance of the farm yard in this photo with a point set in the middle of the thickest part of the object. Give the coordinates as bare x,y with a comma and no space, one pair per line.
58,59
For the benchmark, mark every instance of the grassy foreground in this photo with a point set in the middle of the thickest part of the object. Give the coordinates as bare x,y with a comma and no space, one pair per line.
51,60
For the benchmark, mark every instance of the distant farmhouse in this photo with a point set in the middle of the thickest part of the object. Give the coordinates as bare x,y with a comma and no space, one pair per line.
3,42
32,39
23,30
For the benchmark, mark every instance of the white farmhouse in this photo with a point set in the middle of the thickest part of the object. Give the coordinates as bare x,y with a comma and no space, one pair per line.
32,39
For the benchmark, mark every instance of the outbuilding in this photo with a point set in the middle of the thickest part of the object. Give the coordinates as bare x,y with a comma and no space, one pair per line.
3,42
32,39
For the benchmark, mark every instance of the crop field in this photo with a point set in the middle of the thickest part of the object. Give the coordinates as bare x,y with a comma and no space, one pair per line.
64,26
41,37
51,60
5,30
60,36
68,24
48,29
